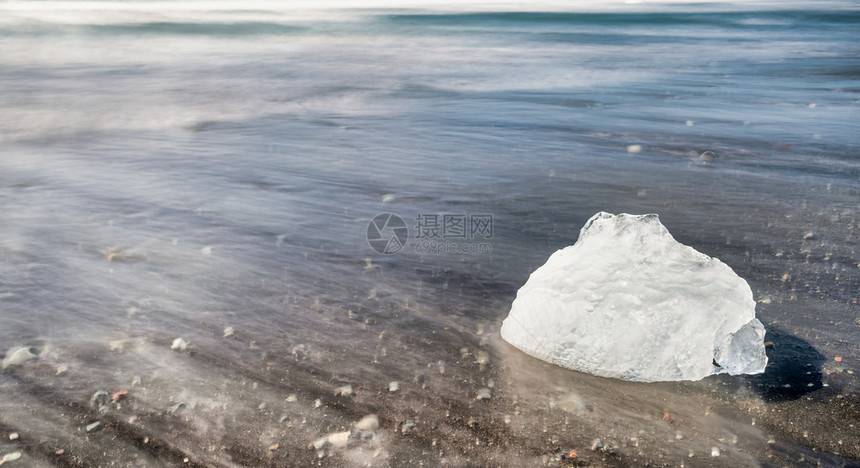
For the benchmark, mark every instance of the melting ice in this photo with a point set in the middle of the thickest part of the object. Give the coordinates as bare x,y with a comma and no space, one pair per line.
628,301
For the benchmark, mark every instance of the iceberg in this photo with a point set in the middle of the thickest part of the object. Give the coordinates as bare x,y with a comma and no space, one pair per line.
628,301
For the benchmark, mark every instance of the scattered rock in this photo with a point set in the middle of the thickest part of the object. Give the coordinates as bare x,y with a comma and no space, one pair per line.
368,423
596,445
809,236
715,452
388,198
838,358
228,332
94,427
13,436
406,427
273,447
119,395
483,394
768,344
634,148
18,356
179,344
393,386
334,440
317,403
292,398
100,399
62,369
346,390
177,407
10,457
483,358
206,250
707,156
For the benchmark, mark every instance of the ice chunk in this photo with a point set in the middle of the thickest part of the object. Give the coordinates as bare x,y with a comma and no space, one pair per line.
628,301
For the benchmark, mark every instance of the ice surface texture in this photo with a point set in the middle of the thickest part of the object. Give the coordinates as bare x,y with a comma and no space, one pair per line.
629,301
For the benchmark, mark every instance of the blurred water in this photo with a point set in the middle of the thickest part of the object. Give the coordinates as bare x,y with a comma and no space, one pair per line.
173,169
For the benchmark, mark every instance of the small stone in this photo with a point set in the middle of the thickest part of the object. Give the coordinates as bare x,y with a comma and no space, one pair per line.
177,407
338,439
94,427
768,344
206,250
119,395
634,148
368,423
17,356
346,390
317,403
596,445
483,394
262,406
179,344
483,358
62,369
273,447
785,277
809,235
388,198
13,436
10,457
838,358
707,156
715,452
406,427
393,386
99,398
292,398
228,332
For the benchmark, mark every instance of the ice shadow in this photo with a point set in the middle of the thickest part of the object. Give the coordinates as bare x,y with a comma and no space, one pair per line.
794,368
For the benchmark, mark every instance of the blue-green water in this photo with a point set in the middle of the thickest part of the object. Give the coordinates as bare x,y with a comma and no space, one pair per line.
172,169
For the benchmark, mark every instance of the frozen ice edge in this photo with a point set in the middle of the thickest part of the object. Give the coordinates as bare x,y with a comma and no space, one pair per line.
628,301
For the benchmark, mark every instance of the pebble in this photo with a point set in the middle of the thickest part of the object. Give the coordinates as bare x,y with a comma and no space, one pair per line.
809,235
177,407
62,369
179,344
18,356
292,398
228,332
10,457
393,386
13,436
707,156
483,358
634,148
334,440
346,390
715,452
206,250
119,395
94,427
406,427
317,403
99,399
483,394
388,198
596,445
273,447
368,423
